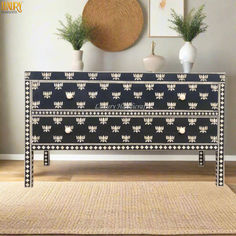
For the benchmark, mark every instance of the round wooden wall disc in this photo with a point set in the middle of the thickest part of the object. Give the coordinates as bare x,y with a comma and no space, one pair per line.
117,23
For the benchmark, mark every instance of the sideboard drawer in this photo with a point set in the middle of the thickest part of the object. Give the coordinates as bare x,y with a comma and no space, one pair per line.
134,130
122,96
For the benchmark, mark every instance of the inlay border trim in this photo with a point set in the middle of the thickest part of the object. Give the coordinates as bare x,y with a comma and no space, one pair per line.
121,146
220,164
28,136
124,113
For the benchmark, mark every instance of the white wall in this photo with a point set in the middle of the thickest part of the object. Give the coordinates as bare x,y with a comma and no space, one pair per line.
28,42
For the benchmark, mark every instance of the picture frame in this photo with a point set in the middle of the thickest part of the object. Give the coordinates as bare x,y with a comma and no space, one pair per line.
160,11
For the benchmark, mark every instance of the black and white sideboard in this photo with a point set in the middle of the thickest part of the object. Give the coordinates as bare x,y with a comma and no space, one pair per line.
124,111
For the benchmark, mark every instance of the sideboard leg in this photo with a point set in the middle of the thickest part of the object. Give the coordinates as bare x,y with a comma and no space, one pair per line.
219,168
29,154
201,160
46,158
29,168
220,152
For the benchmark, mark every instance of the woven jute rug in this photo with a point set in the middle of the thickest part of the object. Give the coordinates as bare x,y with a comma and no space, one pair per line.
117,208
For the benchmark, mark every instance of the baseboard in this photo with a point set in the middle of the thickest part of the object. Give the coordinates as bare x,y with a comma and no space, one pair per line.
115,157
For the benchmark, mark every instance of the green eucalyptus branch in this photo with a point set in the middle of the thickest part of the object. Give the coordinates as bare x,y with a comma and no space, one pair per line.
191,25
76,31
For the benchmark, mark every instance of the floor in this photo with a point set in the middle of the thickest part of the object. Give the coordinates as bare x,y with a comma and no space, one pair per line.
117,171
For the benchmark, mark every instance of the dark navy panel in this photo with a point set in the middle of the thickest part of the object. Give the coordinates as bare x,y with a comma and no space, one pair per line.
124,130
124,76
118,96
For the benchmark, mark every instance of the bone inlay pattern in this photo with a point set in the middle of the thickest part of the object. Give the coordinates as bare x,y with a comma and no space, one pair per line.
201,158
46,158
123,111
220,153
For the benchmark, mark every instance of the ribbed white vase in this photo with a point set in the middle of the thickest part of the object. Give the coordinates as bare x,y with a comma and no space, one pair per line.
77,63
187,56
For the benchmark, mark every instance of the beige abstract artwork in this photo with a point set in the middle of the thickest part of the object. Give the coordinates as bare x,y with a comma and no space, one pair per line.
163,4
159,15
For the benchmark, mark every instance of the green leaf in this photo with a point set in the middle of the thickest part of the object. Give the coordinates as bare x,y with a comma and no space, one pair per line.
190,26
75,31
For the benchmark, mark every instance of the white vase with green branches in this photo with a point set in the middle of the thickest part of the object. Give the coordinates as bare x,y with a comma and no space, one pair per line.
77,60
76,32
189,27
187,56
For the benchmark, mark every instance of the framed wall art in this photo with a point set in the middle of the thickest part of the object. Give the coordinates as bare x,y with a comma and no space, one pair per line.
159,15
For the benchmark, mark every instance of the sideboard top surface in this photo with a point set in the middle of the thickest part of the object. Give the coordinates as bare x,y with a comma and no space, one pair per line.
125,76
